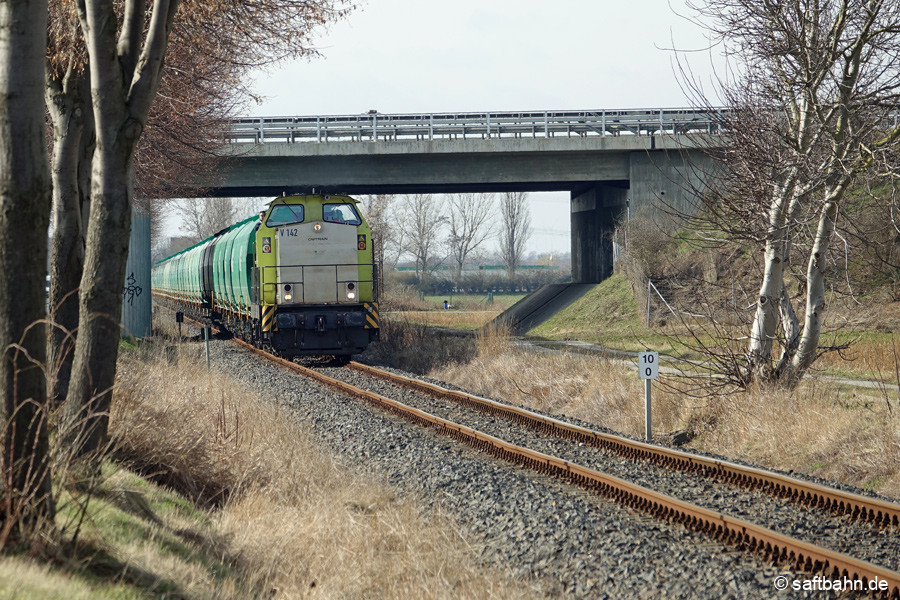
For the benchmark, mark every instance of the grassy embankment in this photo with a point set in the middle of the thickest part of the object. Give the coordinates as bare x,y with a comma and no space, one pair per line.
260,511
609,316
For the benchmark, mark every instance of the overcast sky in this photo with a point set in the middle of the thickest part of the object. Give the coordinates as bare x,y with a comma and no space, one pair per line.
489,55
492,55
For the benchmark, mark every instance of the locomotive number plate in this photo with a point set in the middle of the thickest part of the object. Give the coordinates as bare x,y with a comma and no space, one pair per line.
288,232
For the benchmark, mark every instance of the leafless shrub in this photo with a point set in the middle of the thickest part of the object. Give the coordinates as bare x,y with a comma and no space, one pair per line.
416,347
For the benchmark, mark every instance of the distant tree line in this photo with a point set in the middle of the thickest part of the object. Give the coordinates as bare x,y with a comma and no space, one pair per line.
483,281
452,229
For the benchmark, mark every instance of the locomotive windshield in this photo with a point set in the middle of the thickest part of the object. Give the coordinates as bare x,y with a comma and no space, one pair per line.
285,214
340,213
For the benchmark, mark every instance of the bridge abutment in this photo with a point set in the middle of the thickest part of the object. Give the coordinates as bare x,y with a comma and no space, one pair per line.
595,211
661,184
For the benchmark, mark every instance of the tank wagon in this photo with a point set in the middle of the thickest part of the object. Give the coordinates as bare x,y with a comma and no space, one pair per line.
298,279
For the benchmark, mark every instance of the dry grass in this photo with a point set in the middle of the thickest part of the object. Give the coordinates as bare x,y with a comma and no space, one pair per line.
416,347
869,357
457,319
29,580
824,429
593,389
298,524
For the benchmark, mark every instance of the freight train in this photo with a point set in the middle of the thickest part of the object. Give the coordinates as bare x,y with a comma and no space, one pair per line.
298,280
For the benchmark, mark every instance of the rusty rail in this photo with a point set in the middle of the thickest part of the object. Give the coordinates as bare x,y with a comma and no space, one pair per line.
773,546
802,492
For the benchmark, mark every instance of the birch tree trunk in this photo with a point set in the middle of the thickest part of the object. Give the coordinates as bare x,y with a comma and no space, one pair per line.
26,504
765,322
815,296
124,79
68,102
812,108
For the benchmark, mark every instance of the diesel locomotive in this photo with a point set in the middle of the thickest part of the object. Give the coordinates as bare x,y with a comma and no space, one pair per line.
298,280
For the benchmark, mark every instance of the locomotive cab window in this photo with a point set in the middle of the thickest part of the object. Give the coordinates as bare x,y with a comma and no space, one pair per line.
340,213
285,214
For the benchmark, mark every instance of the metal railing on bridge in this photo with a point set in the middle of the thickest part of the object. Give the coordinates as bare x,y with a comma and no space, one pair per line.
380,127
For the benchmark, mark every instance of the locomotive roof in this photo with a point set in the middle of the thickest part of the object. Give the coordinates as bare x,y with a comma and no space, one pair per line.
307,197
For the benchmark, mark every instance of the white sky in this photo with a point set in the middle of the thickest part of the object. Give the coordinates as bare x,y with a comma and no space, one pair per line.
492,55
489,55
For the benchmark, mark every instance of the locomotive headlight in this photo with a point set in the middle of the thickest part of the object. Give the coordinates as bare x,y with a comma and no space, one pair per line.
288,297
351,291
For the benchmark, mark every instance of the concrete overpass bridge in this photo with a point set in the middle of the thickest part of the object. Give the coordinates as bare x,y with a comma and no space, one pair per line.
609,160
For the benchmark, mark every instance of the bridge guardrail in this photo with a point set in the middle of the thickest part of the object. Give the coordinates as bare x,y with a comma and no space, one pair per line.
382,127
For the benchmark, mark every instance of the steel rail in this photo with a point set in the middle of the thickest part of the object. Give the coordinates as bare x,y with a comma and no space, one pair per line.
882,513
772,546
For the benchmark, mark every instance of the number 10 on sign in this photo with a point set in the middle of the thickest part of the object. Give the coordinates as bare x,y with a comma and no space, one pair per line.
648,365
648,368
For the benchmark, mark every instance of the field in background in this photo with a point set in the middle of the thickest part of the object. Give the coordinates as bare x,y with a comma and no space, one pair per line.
488,302
469,311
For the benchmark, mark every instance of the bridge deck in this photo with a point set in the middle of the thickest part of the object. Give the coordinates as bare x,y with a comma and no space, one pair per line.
379,127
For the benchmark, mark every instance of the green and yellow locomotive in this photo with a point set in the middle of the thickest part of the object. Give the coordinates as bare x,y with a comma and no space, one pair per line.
298,279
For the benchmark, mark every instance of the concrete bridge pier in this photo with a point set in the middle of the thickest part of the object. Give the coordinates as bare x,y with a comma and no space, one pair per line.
595,211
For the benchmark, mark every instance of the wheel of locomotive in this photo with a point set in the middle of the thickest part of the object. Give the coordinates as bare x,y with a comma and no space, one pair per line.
256,333
339,360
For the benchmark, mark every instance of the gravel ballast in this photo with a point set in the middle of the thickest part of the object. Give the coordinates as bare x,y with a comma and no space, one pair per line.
567,541
858,539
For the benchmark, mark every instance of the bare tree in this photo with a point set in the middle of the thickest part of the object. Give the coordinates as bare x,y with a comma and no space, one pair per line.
26,502
198,91
470,225
126,53
377,211
203,217
421,221
812,110
516,229
124,71
68,103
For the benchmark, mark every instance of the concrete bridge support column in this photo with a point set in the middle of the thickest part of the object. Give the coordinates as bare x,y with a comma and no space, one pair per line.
136,301
595,211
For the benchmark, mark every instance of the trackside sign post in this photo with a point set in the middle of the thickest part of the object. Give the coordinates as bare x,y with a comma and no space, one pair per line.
648,369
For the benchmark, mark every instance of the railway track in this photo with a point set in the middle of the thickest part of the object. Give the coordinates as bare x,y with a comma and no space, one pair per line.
795,490
773,546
